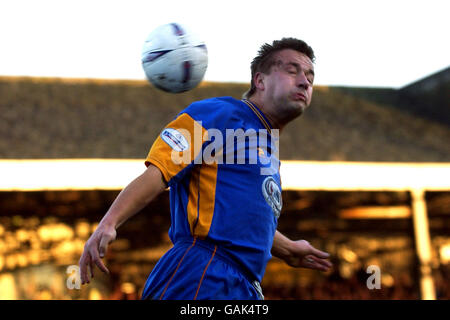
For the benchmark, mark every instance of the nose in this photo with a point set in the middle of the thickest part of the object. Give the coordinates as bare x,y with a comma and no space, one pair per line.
302,81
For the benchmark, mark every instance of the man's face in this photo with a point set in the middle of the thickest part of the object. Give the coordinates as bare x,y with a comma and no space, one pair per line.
288,86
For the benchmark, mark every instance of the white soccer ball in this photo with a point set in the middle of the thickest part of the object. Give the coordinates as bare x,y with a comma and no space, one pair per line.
174,59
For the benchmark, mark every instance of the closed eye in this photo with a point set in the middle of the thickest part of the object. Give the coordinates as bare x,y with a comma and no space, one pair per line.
310,76
291,69
294,69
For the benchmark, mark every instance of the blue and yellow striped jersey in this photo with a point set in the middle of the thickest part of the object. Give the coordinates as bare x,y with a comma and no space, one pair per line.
219,158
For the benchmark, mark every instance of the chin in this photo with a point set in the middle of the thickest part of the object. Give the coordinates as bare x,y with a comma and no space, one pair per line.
299,106
295,110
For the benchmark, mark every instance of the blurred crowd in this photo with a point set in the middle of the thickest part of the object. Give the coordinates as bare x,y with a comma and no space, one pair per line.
336,287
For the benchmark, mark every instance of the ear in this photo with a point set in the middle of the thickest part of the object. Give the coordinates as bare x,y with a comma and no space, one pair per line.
259,81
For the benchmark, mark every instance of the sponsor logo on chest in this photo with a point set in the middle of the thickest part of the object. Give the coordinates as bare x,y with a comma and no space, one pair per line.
272,194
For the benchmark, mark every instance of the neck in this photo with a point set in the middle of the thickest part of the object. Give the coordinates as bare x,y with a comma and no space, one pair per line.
266,111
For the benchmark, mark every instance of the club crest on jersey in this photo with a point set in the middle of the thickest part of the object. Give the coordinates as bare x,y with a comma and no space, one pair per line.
174,139
272,194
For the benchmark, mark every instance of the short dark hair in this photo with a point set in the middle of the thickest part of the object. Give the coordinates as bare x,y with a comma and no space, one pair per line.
265,58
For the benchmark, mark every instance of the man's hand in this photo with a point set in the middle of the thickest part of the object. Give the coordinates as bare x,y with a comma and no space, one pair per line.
95,249
304,255
300,253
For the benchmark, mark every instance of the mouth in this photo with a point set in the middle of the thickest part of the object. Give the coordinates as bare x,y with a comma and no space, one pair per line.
299,97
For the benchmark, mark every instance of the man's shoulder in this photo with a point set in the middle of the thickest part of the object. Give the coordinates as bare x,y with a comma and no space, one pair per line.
216,103
215,112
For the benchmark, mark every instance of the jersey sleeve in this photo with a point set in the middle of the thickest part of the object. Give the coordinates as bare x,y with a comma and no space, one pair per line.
176,148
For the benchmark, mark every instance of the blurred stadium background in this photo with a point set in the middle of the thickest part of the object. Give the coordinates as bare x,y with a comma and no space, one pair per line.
367,173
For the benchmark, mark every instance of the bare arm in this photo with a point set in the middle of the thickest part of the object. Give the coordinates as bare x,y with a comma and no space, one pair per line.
140,192
300,253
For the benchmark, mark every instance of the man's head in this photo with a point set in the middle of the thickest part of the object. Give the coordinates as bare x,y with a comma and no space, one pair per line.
282,78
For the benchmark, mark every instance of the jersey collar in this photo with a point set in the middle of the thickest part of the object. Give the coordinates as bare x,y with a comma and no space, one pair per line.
259,114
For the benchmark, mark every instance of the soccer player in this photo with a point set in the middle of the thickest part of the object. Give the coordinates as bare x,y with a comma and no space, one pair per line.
219,157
